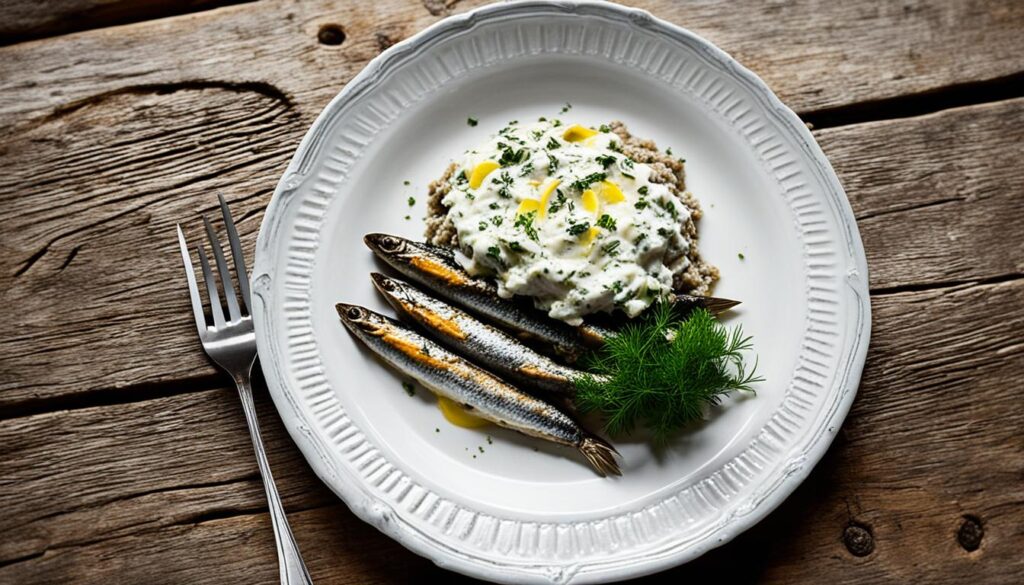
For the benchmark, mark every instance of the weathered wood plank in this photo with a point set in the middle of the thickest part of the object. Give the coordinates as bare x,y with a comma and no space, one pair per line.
934,195
814,54
925,218
933,436
27,19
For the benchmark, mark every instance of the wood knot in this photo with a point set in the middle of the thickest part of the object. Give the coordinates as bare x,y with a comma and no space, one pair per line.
858,540
970,533
331,34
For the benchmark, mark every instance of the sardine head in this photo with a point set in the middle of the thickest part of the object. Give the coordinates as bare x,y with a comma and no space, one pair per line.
359,318
385,284
385,245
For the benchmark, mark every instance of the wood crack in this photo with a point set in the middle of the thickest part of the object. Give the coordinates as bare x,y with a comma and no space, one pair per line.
906,208
112,396
918,104
261,87
908,288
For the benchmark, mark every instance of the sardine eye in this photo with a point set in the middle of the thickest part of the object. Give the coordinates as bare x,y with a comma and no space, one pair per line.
388,285
390,244
354,313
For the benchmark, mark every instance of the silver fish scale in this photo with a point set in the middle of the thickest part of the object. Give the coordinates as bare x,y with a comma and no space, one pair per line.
469,385
485,344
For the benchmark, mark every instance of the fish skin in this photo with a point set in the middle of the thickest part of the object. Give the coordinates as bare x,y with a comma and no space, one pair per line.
449,375
435,268
486,345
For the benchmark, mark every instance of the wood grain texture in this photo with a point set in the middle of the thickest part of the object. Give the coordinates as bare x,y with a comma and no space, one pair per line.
933,436
123,459
924,219
815,54
30,19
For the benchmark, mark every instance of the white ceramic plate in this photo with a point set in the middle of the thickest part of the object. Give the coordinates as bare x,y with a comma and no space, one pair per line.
515,512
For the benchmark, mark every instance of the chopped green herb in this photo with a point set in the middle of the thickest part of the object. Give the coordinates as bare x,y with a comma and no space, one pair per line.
607,222
614,146
472,121
512,157
412,201
643,190
489,441
542,119
493,205
483,225
553,144
525,221
481,449
605,128
497,220
579,228
558,203
615,287
527,170
741,256
585,182
516,246
668,151
408,217
611,248
606,160
505,180
566,108
495,252
406,183
437,430
552,164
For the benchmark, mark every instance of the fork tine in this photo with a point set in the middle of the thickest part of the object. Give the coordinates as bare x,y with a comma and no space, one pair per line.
236,254
211,289
225,274
193,289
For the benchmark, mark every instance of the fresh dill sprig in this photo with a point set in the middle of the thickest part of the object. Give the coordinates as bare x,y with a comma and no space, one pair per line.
664,373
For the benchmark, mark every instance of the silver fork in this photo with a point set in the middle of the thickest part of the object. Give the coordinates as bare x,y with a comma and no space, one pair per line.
231,344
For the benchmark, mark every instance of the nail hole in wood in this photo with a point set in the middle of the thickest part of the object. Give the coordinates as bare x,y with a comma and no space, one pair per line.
970,533
858,540
331,34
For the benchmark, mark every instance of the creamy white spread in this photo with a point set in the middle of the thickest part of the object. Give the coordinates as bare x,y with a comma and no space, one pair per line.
557,213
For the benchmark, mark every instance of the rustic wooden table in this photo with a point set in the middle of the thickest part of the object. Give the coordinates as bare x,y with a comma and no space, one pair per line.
124,456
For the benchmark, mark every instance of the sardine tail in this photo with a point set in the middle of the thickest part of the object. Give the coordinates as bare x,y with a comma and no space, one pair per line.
600,455
716,305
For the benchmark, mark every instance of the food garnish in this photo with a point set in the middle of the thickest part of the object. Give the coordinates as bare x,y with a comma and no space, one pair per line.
664,372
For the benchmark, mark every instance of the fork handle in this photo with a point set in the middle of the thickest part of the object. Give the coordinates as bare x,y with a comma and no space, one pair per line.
293,569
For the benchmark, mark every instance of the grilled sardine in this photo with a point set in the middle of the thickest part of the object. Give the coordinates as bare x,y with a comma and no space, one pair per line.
488,346
455,378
